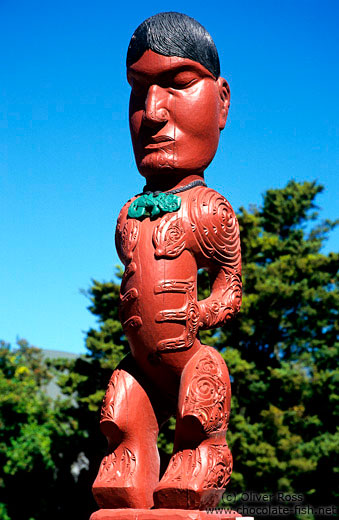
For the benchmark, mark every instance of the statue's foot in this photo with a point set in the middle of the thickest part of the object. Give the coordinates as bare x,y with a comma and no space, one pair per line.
196,478
119,483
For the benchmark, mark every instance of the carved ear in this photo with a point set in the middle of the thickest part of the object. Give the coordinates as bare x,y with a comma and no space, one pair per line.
225,96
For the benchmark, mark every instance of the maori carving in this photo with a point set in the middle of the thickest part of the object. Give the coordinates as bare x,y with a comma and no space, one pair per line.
220,466
215,228
126,300
126,407
129,296
183,467
114,468
129,271
133,322
207,395
211,463
179,286
169,237
225,302
189,314
126,237
107,409
178,107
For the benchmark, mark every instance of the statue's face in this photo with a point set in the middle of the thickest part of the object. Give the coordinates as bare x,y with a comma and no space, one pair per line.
177,109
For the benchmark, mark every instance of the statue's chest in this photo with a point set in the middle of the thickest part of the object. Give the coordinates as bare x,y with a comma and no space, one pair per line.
164,237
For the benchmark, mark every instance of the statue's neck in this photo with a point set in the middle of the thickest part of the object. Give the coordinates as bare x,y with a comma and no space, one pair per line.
170,182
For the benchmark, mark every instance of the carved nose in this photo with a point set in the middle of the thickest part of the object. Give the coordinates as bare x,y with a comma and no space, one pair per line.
155,111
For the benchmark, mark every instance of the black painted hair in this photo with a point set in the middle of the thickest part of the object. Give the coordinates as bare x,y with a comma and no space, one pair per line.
174,34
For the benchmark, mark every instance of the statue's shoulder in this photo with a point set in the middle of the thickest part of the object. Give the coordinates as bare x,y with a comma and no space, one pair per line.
126,233
124,211
214,225
203,201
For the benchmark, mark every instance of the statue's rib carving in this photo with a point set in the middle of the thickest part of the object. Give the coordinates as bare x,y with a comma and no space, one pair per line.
188,313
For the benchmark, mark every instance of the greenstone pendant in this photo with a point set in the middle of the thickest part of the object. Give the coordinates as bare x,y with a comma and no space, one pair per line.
151,205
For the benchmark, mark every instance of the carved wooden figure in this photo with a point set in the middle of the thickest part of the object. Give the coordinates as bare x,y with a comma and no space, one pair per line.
178,106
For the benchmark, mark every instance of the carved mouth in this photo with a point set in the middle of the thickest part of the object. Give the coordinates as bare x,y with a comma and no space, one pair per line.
161,138
159,141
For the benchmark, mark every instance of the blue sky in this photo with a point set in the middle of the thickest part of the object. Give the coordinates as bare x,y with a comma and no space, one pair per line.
66,162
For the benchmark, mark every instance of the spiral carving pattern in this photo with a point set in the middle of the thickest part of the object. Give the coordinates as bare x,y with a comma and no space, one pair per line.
215,227
207,395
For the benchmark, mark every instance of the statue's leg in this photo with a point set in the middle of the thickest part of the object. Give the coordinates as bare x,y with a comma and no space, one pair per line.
129,472
201,464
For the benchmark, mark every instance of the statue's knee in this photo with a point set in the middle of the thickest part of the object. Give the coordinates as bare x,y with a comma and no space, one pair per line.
113,415
205,392
120,412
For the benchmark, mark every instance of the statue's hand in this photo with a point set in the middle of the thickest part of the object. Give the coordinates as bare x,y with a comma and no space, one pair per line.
209,311
223,303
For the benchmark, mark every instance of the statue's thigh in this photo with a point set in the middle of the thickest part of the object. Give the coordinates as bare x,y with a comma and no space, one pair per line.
128,421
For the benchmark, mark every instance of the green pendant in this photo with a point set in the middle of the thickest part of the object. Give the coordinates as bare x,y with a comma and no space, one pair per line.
151,205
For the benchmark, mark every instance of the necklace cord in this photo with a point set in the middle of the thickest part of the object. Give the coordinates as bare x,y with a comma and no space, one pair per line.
189,186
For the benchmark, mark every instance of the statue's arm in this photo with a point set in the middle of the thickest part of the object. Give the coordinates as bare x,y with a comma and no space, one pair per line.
225,298
216,233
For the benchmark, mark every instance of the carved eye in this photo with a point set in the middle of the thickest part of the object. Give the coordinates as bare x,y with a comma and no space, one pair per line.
184,79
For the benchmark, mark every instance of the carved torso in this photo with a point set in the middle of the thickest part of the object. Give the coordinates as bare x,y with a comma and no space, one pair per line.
158,303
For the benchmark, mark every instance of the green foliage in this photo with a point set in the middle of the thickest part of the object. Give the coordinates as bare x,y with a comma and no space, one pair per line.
26,418
32,431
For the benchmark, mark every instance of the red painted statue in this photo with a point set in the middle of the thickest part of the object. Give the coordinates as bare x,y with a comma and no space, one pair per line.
178,106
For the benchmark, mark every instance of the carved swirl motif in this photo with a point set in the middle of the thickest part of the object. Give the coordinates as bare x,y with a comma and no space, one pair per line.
114,468
183,466
126,238
169,237
215,227
220,467
189,468
189,313
206,396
